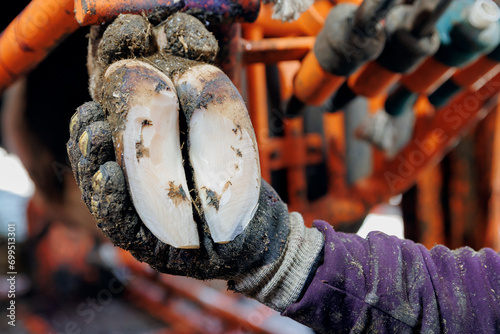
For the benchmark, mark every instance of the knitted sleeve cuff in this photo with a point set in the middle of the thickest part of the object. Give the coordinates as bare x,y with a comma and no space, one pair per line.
279,284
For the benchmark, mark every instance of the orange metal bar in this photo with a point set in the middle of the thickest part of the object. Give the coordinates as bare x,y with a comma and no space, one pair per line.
333,125
30,37
450,122
89,12
299,149
313,85
312,144
274,50
287,71
462,199
356,2
372,80
312,20
275,28
429,209
429,76
493,229
468,76
484,155
257,103
338,205
391,177
295,148
309,23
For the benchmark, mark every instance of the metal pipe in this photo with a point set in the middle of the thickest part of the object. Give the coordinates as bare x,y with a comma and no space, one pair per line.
465,78
41,26
91,12
350,37
492,235
274,50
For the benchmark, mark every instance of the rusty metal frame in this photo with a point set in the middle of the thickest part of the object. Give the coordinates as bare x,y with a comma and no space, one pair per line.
346,203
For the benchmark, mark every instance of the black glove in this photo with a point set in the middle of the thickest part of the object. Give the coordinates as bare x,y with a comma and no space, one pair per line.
259,251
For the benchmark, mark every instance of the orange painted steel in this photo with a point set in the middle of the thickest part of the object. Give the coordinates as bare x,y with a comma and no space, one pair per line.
462,181
484,154
296,150
447,125
428,76
257,103
493,228
313,85
356,2
430,217
345,203
281,151
463,198
469,75
89,12
275,28
372,80
287,71
274,50
312,20
308,24
30,37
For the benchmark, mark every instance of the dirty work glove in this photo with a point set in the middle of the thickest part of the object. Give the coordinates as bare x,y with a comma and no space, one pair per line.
154,177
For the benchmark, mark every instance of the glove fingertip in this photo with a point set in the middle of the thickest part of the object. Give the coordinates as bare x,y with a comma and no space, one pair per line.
111,206
113,179
85,115
96,143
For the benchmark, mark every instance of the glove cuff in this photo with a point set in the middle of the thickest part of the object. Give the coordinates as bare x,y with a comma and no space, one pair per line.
279,284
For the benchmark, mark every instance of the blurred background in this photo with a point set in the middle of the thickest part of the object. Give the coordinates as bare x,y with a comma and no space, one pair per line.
71,280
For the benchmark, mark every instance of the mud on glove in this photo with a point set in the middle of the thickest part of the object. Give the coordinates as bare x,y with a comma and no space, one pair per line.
270,260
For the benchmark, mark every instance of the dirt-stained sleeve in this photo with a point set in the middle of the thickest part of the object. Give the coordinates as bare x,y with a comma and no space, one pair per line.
383,284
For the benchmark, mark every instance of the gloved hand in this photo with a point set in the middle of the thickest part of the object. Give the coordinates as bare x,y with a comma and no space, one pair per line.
271,259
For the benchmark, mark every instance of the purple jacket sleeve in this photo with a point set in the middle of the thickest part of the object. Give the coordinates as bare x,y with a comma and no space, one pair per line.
383,284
